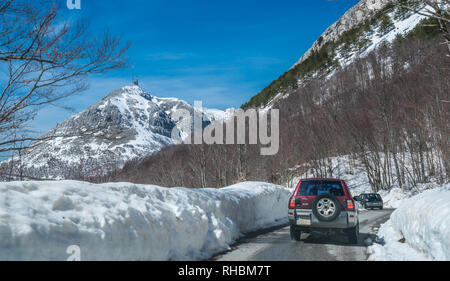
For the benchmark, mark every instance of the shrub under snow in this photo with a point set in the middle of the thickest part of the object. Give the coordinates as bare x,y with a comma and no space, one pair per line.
418,230
124,221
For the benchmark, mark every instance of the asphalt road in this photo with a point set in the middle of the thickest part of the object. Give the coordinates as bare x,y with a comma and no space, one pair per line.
276,245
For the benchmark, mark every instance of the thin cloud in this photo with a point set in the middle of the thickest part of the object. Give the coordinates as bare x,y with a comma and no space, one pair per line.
167,56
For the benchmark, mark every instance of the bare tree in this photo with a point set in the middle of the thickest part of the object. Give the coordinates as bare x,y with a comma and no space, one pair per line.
436,9
45,59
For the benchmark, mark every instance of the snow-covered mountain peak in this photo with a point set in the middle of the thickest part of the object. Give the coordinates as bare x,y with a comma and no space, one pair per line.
126,124
132,91
132,88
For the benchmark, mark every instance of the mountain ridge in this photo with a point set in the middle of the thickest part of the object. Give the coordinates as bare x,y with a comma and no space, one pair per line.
354,16
127,124
362,28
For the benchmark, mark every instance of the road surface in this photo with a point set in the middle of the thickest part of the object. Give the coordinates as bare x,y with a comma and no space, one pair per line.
277,245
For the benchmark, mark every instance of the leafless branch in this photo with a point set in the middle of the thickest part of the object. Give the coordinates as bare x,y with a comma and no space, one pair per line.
46,59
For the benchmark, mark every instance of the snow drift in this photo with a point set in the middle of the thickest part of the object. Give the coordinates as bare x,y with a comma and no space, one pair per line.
124,221
418,230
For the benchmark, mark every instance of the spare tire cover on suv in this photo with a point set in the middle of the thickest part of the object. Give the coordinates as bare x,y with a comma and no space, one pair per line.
326,207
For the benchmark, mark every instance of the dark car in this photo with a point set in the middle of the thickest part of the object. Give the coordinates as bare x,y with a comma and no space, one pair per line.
370,200
323,205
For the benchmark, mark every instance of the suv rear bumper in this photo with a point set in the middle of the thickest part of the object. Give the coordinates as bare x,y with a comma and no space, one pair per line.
373,204
345,220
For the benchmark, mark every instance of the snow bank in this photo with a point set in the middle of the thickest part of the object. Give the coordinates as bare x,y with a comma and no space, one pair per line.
393,198
418,230
124,221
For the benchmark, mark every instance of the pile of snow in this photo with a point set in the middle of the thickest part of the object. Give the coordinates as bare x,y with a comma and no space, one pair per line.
393,198
124,221
418,230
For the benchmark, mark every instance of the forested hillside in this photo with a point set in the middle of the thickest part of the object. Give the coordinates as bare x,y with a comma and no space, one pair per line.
386,112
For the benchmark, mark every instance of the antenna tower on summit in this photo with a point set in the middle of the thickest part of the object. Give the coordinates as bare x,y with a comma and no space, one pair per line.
134,79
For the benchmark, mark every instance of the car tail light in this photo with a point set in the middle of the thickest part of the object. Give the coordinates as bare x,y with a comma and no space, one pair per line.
350,205
292,203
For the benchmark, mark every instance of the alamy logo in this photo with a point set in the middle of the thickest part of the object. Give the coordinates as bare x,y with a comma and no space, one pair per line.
235,129
74,4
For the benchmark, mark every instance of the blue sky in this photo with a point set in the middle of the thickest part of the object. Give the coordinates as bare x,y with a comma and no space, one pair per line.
219,52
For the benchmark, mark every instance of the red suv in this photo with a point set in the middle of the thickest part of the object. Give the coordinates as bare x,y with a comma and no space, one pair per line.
323,205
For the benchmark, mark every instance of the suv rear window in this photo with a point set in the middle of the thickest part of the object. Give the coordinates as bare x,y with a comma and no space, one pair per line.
373,197
314,188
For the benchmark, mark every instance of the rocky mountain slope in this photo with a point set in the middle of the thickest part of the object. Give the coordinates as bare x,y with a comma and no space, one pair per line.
360,30
127,124
356,15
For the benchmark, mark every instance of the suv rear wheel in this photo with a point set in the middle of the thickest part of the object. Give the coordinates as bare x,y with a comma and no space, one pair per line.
295,234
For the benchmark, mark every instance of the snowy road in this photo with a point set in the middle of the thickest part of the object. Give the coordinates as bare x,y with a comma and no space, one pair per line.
277,245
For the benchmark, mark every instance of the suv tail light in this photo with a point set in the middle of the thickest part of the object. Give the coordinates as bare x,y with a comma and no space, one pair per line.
350,205
292,203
